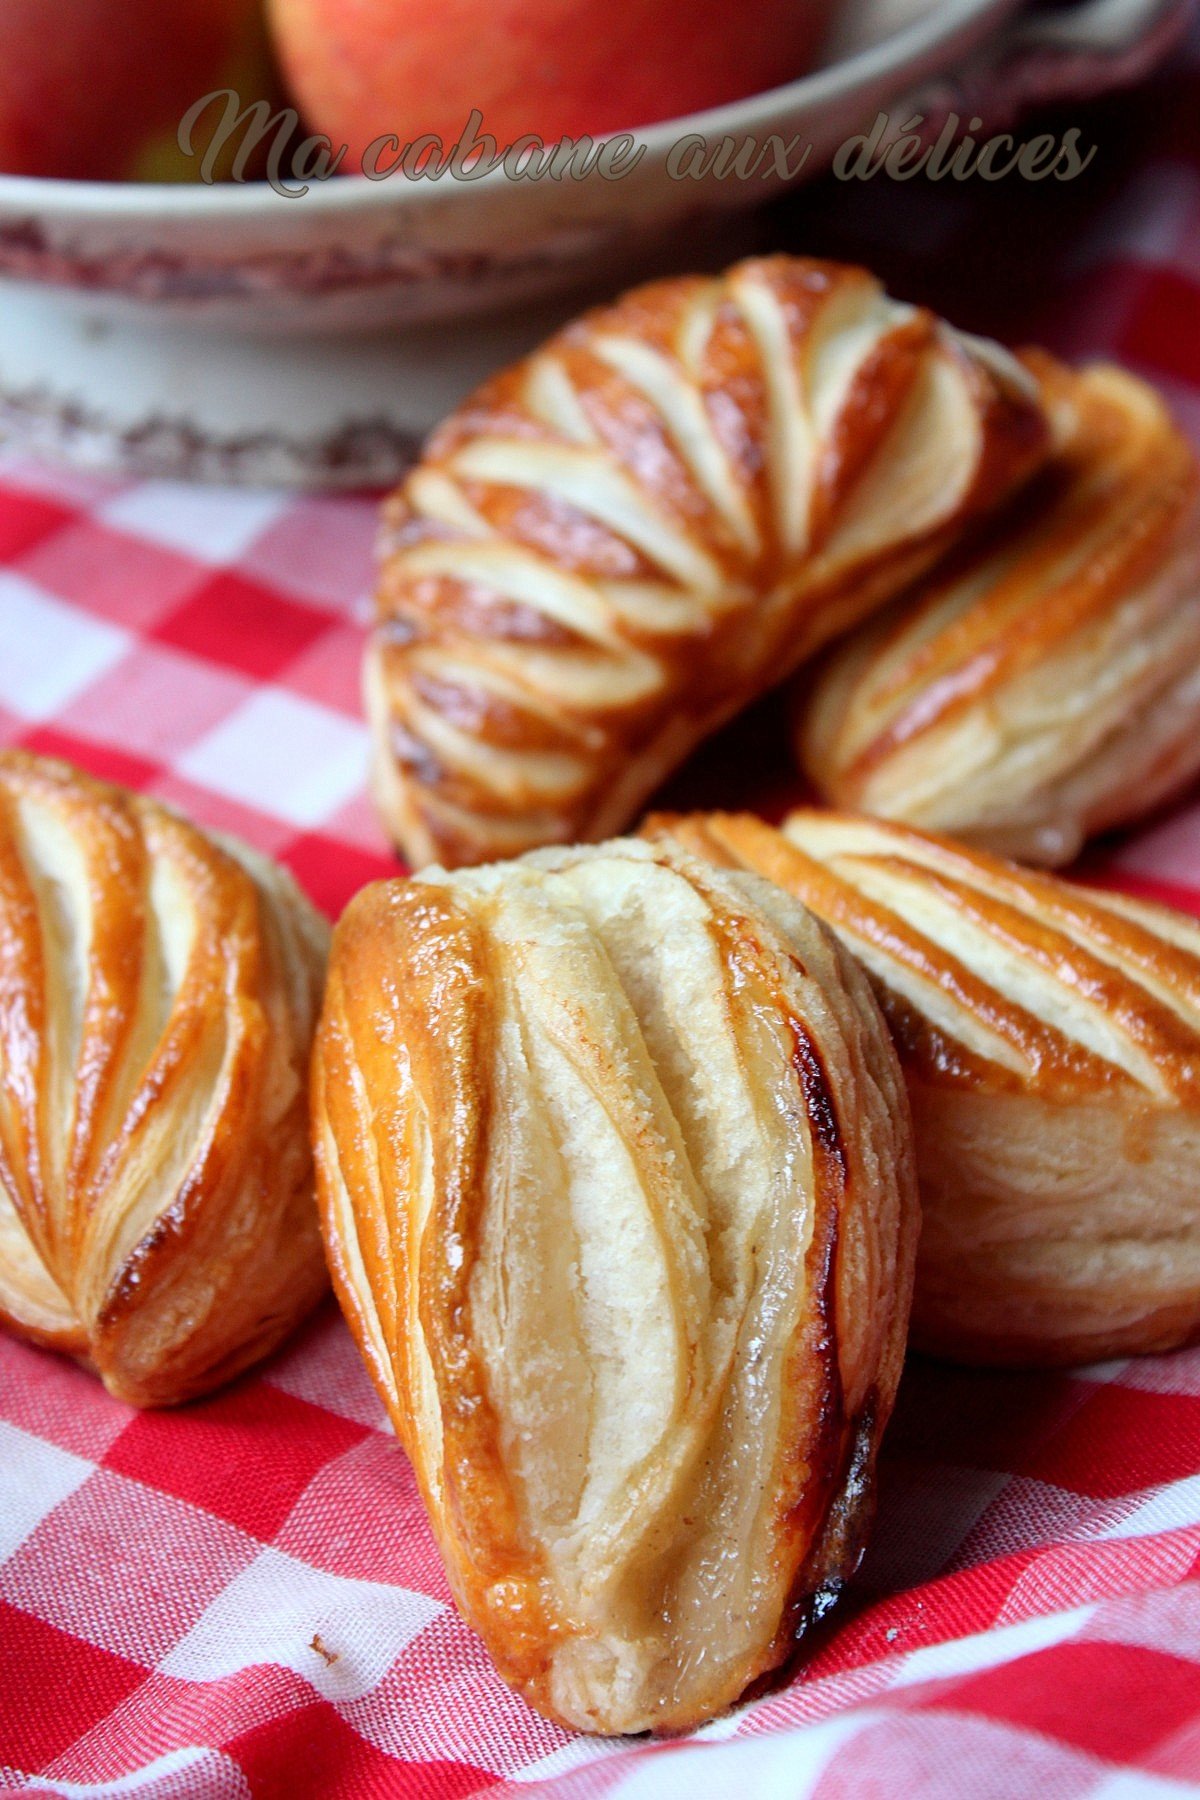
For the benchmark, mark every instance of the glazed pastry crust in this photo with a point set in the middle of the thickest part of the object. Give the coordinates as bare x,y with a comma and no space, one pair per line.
1050,1037
621,541
158,993
615,1176
1044,684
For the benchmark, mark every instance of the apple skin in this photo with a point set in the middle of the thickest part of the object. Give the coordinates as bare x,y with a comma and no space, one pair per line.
555,68
95,89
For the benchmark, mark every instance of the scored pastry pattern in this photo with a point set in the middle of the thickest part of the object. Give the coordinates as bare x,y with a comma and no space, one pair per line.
1044,684
1050,1034
157,998
616,1181
992,973
617,543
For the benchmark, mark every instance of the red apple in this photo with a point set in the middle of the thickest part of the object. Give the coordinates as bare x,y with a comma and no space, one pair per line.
553,68
96,88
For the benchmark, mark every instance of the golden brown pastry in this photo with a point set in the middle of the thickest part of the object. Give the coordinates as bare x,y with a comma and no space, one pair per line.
615,1174
1050,1035
615,545
1044,683
158,993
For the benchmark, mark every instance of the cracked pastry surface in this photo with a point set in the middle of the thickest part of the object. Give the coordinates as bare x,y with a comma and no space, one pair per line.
1044,683
1050,1036
615,1174
158,993
618,543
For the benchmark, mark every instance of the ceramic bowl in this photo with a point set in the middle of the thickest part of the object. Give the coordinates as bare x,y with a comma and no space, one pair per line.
353,252
233,333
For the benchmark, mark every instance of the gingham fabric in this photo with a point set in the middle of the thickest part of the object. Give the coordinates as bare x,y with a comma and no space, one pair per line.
243,1598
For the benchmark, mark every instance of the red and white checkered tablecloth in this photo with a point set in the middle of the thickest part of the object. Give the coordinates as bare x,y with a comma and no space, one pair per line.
243,1598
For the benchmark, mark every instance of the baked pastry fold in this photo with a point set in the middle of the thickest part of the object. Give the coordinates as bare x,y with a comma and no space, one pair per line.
1043,684
615,1176
158,993
621,541
1050,1037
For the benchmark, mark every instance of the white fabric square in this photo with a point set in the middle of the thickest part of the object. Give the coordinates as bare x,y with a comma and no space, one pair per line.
576,1753
1172,1507
154,1563
180,1775
989,1649
1137,1784
284,756
278,1609
49,651
212,524
782,1766
35,1477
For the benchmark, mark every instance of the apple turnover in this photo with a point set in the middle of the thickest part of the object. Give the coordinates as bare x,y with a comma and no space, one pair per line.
158,994
617,544
1050,1036
1044,684
616,1181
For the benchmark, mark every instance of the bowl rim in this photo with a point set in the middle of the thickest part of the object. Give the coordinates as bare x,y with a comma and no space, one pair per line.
53,197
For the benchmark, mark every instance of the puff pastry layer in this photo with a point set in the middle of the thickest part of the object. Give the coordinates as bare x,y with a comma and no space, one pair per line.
1050,1036
615,1175
158,994
1044,684
618,543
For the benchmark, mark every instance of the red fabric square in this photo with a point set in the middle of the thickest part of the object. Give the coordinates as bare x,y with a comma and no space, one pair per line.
104,761
1114,1701
247,1454
1148,887
166,1711
1120,1440
25,519
243,625
52,1397
956,1606
331,873
340,1765
64,1686
1162,331
126,579
155,703
1088,315
330,670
